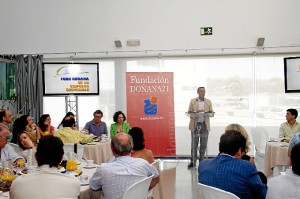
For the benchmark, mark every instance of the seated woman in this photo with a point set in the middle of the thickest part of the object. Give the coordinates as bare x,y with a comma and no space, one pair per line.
69,114
243,131
26,141
139,150
120,125
18,126
45,127
31,127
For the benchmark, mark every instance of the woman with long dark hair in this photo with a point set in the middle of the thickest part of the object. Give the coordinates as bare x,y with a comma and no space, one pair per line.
45,127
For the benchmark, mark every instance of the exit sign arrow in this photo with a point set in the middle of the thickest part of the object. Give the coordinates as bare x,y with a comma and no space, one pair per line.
206,30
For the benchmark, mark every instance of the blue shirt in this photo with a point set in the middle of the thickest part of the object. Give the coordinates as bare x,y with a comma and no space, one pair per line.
96,130
234,175
295,139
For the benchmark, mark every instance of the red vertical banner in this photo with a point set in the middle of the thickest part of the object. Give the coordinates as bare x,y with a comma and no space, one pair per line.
150,105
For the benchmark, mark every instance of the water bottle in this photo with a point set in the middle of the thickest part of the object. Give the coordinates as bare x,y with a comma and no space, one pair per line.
31,164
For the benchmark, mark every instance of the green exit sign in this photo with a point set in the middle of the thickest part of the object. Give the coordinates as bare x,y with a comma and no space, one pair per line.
206,30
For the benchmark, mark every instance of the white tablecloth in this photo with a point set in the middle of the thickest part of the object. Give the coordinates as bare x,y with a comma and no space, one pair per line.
97,151
275,155
85,191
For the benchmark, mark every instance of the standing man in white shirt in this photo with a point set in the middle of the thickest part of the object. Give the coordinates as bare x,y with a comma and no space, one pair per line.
201,127
291,126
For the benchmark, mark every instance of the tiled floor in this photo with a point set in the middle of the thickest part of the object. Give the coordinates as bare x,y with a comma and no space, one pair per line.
177,181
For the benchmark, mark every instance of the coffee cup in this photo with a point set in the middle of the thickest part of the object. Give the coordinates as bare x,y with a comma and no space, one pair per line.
84,179
89,163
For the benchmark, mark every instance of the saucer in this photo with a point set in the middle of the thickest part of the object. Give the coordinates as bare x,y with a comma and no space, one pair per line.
90,167
284,144
62,170
91,143
24,171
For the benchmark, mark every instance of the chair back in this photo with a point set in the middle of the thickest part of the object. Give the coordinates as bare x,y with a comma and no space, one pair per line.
209,192
16,148
156,164
76,148
139,189
260,138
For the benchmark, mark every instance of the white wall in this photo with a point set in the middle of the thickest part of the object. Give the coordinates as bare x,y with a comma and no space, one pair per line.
56,26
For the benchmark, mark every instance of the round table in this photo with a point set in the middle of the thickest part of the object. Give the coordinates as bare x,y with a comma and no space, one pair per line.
85,191
100,152
276,155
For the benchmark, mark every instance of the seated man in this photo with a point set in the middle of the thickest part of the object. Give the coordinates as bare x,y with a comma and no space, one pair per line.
47,182
291,126
5,117
96,126
229,172
68,135
115,177
7,152
287,186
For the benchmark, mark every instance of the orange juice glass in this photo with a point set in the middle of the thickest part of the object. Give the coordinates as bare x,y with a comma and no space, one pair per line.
71,165
7,176
21,163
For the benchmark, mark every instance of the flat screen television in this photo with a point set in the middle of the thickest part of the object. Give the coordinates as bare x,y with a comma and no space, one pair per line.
292,74
71,79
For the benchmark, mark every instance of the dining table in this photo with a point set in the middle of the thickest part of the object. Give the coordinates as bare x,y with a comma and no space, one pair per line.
85,191
100,152
276,157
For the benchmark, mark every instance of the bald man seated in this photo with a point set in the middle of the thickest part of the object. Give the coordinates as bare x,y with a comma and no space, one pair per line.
115,177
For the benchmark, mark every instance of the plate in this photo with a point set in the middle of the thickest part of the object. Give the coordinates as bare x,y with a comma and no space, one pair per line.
91,143
284,145
72,173
62,169
24,171
90,167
